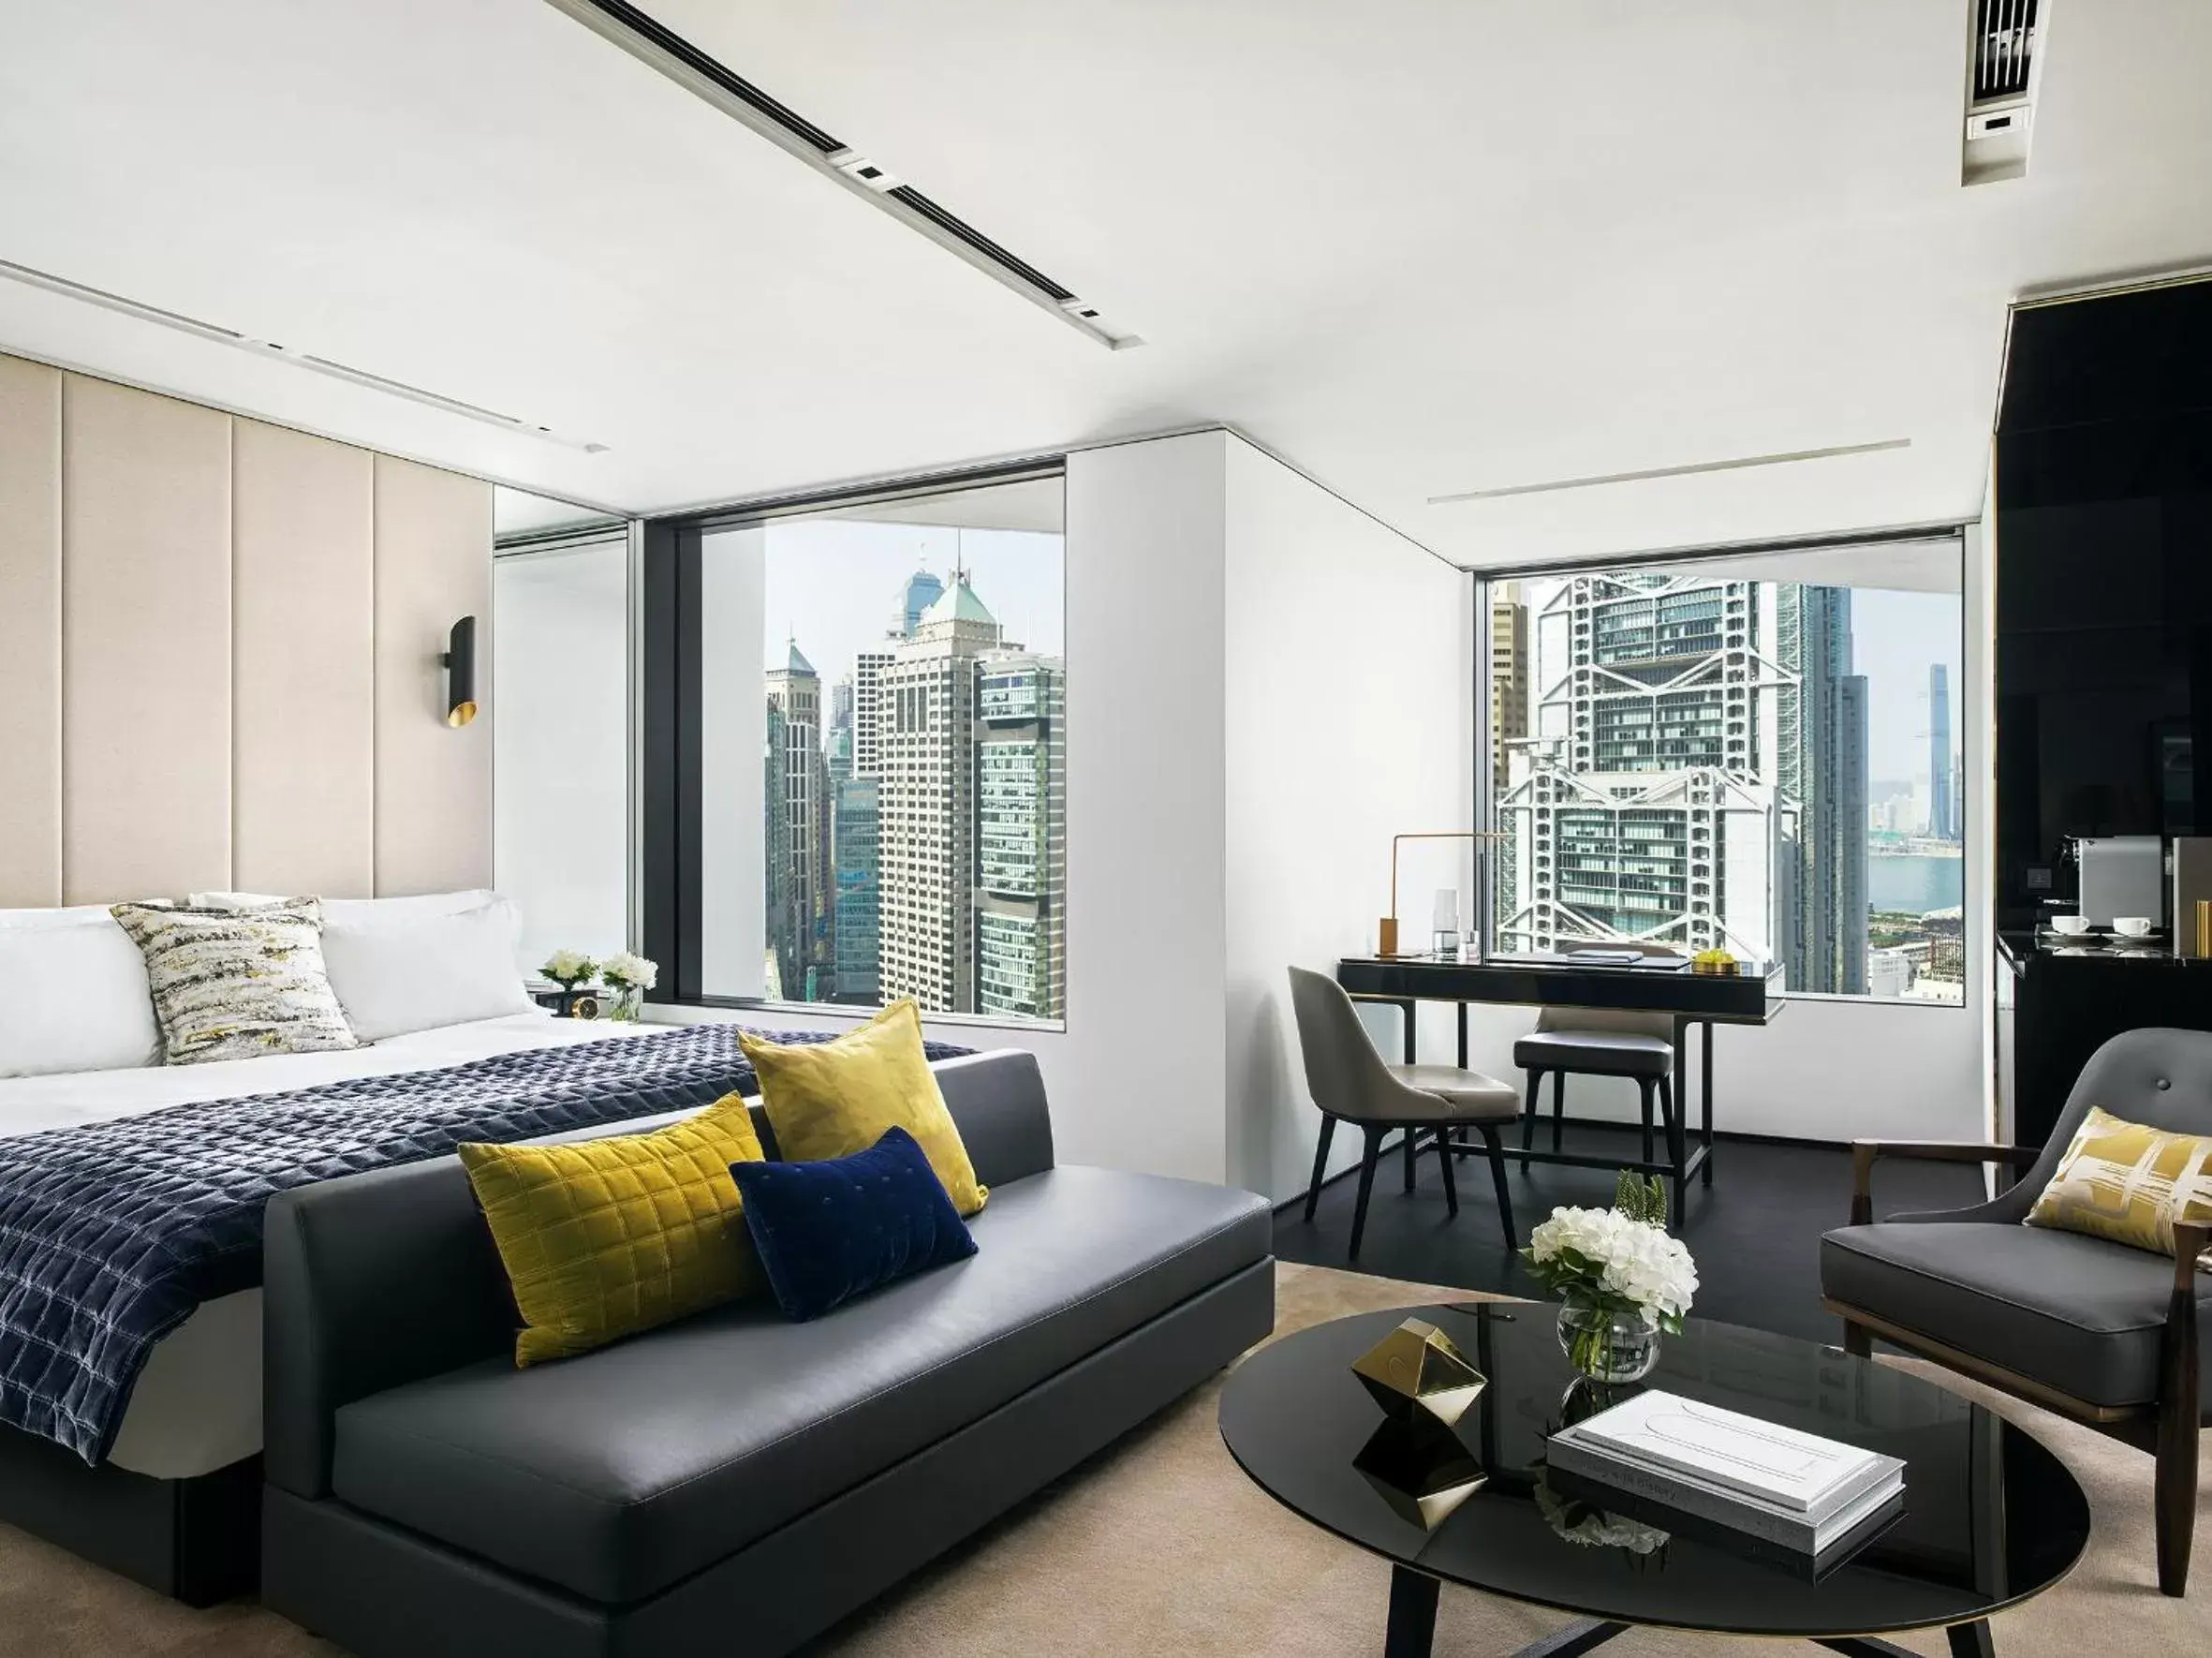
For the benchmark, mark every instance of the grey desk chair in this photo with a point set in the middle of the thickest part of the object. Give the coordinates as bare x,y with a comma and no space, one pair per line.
2113,1337
1351,1083
1599,1042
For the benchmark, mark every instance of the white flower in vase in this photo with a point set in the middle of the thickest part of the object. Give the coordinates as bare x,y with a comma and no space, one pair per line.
626,972
568,968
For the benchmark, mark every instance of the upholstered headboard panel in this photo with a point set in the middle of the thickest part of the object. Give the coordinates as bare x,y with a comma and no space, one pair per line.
219,647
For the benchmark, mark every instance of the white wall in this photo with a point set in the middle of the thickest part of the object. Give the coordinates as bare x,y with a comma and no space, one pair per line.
1346,670
1137,1076
560,772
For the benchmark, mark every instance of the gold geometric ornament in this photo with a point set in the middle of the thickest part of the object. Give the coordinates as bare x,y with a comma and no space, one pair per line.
1416,1368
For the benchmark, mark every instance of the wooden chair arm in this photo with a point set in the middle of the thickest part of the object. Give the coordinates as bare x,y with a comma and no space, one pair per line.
1864,1152
2191,1238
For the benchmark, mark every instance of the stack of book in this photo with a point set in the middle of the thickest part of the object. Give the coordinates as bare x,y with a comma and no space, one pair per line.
1788,1495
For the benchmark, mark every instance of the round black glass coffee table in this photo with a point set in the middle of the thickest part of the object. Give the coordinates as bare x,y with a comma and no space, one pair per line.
1990,1517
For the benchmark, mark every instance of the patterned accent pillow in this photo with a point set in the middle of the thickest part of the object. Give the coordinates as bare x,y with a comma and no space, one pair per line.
2128,1182
237,984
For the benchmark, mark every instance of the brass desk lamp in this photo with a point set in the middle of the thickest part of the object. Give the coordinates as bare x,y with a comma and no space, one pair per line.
1387,942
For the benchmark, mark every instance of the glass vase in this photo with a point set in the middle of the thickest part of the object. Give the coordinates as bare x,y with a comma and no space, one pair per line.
1606,1343
629,1003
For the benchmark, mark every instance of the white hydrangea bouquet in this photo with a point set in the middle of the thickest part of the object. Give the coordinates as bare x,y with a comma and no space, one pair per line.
569,968
630,977
1621,1278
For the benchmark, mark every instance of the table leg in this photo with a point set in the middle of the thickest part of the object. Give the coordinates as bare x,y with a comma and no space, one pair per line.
1968,1640
1413,1614
1706,1104
1576,1638
1972,1641
1679,1121
1463,1036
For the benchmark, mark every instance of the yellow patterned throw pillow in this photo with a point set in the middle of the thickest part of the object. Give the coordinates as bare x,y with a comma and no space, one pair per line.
2128,1182
606,1237
832,1098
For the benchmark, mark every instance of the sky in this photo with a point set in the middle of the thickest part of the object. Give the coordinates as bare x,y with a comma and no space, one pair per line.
834,585
1896,638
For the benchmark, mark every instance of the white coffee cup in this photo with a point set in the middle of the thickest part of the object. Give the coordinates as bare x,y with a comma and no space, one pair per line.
2070,925
2133,926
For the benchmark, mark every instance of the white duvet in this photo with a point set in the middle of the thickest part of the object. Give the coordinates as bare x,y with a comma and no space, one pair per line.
197,1403
32,1104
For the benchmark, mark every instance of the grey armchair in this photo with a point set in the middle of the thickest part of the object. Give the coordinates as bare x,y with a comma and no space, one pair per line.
2113,1337
1351,1083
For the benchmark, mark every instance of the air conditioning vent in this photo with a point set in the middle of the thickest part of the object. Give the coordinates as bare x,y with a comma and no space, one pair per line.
2004,49
321,365
662,49
2004,62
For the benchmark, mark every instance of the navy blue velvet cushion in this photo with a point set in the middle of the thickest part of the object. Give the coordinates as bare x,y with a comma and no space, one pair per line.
830,1231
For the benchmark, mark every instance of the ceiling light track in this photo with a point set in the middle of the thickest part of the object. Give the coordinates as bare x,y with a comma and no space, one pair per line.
660,47
1732,465
178,322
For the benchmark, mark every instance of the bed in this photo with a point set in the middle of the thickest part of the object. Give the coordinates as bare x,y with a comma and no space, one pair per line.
130,1377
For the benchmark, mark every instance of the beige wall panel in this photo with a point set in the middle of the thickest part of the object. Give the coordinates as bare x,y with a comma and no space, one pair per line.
145,643
303,664
30,634
433,784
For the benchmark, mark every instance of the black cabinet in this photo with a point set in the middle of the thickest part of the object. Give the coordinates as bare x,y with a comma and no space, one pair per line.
2104,660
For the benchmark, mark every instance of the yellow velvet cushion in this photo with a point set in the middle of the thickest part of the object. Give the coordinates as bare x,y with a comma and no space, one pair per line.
833,1099
607,1238
2128,1182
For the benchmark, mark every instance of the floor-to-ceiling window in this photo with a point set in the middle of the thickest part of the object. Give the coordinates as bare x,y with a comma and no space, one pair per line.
560,706
1755,752
878,705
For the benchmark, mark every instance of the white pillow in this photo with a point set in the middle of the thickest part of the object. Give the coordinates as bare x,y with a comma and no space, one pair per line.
77,994
399,972
360,912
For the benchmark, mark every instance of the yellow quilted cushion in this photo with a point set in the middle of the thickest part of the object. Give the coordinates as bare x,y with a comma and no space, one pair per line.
607,1238
2128,1182
833,1099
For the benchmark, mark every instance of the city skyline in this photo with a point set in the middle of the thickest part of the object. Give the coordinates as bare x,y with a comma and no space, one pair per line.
915,790
1697,764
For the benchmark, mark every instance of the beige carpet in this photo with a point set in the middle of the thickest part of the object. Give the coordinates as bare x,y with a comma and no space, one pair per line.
1162,1545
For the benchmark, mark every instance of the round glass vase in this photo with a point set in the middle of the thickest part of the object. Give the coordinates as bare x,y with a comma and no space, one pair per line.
627,1003
1605,1343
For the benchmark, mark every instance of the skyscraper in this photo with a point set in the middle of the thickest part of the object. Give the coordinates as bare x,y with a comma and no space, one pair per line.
916,593
1942,801
798,824
1509,674
926,768
1022,837
858,887
1695,779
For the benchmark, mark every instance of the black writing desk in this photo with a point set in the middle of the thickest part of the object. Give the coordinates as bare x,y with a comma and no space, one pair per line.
1752,995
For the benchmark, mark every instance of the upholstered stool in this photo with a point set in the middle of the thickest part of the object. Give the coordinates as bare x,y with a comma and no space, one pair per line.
1599,1042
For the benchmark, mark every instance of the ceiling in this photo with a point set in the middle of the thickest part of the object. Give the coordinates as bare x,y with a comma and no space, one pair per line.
1418,247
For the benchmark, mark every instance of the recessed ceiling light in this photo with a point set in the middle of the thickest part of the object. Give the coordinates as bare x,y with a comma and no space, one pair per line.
705,77
181,324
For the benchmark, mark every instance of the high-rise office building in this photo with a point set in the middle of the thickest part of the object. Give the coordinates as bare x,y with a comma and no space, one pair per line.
867,712
926,769
856,884
1022,836
776,849
1942,801
837,742
1509,676
1696,777
797,826
1821,771
916,593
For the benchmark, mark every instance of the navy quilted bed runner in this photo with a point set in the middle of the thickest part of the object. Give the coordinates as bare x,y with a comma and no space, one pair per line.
111,1234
